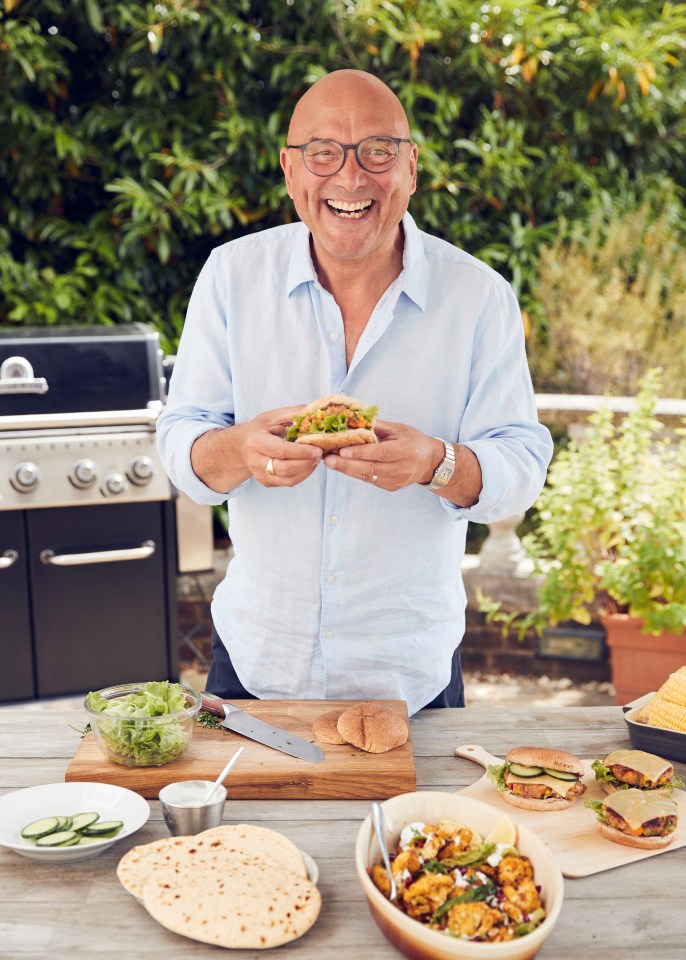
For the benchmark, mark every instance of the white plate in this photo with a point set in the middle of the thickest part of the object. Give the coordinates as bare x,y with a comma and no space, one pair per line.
312,868
63,799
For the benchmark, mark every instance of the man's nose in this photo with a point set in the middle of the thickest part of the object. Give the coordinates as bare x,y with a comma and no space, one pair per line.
351,171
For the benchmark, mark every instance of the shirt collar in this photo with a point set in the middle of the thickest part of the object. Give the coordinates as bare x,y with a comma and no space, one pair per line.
412,279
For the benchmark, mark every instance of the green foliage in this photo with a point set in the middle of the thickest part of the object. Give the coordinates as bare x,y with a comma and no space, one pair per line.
138,135
613,298
611,536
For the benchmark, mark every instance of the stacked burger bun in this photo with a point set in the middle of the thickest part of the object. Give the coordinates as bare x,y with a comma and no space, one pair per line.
367,726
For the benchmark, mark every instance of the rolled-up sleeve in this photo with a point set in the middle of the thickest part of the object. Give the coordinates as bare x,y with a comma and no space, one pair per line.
201,388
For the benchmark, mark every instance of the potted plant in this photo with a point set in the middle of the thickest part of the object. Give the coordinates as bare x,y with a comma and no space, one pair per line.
610,543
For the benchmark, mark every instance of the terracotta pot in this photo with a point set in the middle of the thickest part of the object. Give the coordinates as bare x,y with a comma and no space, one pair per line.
640,662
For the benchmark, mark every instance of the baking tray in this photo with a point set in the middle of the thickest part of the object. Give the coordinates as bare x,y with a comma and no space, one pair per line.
669,744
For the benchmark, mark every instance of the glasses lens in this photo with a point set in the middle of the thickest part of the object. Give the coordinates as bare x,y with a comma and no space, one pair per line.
323,156
377,154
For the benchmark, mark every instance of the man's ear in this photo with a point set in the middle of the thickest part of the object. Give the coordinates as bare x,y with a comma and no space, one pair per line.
285,161
414,153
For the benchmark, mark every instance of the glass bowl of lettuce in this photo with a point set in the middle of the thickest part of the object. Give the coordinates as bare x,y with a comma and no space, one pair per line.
143,724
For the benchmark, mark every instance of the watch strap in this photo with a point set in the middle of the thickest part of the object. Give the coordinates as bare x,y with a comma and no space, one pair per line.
445,469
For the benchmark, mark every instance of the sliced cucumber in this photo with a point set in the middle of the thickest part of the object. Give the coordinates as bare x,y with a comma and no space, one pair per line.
560,774
519,770
82,820
105,827
60,831
40,828
61,838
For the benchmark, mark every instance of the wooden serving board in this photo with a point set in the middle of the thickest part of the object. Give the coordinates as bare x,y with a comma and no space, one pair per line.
572,834
346,773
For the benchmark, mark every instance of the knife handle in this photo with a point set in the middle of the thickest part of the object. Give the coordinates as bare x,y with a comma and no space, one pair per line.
212,703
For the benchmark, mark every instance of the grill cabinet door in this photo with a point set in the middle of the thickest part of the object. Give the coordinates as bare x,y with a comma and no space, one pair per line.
16,655
98,624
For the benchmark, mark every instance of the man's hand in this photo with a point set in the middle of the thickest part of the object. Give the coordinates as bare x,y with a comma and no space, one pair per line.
403,456
223,459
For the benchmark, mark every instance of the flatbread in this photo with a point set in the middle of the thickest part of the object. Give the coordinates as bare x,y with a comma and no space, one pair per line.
247,903
261,840
135,867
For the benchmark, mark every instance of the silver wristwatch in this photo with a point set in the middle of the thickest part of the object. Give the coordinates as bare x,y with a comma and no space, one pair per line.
445,469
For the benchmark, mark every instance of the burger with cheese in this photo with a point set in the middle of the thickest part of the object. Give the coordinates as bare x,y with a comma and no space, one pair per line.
646,819
334,421
537,778
627,769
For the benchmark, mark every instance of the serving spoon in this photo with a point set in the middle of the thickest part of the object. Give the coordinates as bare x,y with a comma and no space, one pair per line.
380,830
222,775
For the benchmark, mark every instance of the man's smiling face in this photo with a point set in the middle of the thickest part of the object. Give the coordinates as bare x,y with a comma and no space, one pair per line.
353,214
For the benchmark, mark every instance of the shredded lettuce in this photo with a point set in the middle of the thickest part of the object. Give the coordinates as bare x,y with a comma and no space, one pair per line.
332,423
497,775
144,744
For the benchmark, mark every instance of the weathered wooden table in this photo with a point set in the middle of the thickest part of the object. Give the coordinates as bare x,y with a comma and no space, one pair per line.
50,912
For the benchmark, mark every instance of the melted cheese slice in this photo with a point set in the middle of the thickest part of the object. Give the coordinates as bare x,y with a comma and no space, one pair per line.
637,806
646,764
560,787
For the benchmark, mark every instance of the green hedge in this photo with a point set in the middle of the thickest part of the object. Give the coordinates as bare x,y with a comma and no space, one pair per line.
136,136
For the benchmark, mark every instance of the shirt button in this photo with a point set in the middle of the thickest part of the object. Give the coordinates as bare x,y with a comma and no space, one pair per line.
330,579
334,519
329,634
334,334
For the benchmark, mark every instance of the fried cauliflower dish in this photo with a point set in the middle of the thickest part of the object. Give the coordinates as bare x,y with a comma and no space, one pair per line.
453,881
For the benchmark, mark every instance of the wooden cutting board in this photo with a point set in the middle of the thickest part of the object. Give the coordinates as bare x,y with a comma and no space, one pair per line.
572,834
346,773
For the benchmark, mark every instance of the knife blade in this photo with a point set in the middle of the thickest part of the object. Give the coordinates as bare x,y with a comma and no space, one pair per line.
238,721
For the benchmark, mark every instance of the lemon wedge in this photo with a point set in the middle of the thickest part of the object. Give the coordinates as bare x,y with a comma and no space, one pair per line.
504,832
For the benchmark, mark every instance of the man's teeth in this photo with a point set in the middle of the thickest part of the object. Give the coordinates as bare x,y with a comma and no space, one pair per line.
352,211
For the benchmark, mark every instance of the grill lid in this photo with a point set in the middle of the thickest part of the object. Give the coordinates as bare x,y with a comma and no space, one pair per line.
79,370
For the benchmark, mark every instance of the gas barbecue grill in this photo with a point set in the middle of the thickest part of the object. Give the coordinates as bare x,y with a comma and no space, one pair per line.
87,522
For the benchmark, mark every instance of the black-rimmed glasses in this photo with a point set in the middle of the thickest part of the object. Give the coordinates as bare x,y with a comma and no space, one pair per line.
326,157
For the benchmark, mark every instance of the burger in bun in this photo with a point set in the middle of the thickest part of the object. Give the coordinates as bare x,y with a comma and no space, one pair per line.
627,769
637,818
537,778
334,421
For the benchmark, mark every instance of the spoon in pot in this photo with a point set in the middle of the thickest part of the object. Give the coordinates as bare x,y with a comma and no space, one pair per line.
380,830
222,775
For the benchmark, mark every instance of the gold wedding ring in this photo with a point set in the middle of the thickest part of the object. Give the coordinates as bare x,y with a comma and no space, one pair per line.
269,469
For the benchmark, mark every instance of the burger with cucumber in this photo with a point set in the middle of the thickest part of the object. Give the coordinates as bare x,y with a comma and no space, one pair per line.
537,778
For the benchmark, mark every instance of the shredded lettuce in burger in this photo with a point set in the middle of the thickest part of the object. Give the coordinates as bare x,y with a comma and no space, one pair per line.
497,775
145,743
332,423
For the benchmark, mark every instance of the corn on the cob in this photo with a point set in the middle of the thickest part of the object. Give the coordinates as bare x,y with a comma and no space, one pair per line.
668,706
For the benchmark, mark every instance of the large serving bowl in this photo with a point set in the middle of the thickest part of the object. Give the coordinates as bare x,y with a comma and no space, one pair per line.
413,938
144,741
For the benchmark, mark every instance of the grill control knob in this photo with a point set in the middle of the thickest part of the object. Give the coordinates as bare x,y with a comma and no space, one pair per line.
25,477
83,474
114,484
141,470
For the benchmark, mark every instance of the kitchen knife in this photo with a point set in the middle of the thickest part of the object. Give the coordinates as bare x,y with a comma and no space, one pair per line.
238,721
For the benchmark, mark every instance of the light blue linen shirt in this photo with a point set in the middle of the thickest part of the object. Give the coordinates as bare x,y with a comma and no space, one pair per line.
339,589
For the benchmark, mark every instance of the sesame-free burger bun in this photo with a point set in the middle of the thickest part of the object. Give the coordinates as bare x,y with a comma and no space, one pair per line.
629,840
334,441
545,757
532,803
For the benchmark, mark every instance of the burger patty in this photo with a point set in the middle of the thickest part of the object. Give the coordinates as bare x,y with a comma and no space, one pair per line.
658,827
636,779
539,791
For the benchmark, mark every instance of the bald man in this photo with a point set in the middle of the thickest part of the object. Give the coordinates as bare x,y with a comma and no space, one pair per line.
345,582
